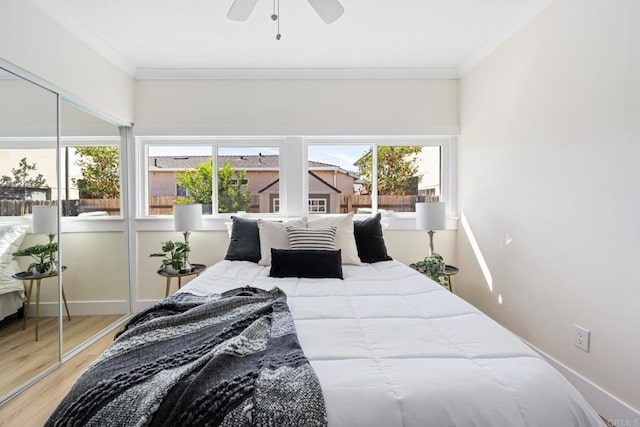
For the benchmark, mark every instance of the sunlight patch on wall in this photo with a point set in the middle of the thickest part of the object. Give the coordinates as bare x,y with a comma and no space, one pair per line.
476,251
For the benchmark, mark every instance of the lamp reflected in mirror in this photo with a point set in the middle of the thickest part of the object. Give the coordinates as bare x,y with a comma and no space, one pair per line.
45,221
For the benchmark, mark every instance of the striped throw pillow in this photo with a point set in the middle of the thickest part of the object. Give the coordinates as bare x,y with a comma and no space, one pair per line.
312,238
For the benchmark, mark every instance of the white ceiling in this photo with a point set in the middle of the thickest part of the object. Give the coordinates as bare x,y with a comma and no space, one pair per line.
440,38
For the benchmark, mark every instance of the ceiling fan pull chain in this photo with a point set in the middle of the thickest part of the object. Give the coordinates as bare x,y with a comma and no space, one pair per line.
278,36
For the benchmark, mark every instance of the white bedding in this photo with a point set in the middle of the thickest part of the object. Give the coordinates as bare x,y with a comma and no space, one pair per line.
393,348
11,290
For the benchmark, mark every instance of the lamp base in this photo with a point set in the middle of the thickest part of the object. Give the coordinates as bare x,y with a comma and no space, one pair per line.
431,233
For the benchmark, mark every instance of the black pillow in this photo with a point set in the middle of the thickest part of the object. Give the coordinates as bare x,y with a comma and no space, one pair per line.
244,244
369,240
315,264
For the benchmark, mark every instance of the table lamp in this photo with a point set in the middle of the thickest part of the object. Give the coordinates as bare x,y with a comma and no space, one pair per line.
431,216
45,221
187,218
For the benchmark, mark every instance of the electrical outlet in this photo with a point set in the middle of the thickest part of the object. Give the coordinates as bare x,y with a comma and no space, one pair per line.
582,338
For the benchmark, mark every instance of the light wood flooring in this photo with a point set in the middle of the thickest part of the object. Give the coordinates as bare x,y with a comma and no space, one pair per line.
32,407
22,357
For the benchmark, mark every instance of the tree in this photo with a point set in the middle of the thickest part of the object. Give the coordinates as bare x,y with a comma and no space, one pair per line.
100,172
397,170
233,195
21,176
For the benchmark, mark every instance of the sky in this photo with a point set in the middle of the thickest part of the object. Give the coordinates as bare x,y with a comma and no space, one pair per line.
344,155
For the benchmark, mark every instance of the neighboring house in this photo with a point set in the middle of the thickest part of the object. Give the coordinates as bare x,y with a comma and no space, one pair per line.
326,182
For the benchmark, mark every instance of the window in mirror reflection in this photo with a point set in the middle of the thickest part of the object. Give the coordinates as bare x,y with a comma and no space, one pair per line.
90,184
27,178
91,180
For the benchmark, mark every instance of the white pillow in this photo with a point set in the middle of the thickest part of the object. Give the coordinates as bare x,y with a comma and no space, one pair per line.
11,237
345,240
274,235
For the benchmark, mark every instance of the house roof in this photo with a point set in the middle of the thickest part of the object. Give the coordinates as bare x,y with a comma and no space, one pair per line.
313,176
247,162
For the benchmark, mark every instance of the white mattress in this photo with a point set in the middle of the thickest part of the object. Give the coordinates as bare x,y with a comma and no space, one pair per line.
11,290
393,348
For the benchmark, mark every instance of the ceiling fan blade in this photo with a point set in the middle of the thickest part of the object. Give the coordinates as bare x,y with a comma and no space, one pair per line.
329,10
241,9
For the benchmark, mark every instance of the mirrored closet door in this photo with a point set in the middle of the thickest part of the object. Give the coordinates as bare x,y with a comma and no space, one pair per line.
93,242
58,154
28,178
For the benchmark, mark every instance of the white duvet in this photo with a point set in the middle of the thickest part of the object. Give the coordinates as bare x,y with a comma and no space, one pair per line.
393,348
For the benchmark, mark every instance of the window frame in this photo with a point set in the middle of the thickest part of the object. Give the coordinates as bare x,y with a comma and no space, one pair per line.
447,145
294,174
214,142
50,142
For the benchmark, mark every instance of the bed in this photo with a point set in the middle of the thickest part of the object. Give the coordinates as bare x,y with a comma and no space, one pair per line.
12,294
390,347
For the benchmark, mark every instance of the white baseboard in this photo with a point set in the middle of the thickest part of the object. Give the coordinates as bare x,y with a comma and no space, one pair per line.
81,308
619,413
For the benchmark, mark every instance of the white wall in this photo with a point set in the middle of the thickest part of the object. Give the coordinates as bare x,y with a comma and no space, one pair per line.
548,183
34,42
95,281
296,107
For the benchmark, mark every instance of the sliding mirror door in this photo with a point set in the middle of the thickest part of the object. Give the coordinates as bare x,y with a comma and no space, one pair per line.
28,178
94,242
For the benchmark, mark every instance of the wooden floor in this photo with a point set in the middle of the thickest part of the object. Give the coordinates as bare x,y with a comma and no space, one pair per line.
22,357
33,406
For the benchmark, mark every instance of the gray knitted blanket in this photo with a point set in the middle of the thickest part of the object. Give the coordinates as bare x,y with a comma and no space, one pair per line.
225,360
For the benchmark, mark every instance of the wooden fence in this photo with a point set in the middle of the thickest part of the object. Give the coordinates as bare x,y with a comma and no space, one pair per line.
390,203
69,207
163,205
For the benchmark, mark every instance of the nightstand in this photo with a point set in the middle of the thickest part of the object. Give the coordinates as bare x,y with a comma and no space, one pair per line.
196,269
450,271
37,278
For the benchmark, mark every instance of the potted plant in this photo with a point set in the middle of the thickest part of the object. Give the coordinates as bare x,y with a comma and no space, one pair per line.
174,256
433,267
43,256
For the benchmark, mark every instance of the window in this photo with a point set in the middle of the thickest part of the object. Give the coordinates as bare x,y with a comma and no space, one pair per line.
245,177
91,178
177,173
405,169
334,180
27,177
323,175
317,205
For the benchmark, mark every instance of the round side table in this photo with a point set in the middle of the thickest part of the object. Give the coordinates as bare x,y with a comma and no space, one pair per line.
37,278
450,271
196,269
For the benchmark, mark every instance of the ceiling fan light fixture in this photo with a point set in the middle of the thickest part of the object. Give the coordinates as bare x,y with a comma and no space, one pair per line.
329,10
241,9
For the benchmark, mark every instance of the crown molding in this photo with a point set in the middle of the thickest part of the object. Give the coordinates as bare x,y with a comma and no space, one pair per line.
502,37
295,73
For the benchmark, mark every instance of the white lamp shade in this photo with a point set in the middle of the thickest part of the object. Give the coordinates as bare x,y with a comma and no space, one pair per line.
45,219
187,217
431,216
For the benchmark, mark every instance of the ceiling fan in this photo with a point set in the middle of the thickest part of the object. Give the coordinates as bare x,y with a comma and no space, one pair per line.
328,10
